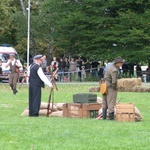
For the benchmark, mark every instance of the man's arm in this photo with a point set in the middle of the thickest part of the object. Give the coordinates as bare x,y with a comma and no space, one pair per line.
114,76
8,63
18,64
43,77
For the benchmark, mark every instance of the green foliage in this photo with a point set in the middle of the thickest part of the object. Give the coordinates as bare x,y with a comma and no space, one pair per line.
91,28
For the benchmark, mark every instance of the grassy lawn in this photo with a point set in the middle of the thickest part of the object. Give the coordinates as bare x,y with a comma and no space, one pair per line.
55,133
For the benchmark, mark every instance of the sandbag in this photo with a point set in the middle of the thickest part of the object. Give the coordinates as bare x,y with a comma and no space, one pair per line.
99,99
59,106
94,89
138,116
25,112
44,106
57,114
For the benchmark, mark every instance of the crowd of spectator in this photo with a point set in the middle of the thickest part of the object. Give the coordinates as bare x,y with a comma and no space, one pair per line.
77,69
73,69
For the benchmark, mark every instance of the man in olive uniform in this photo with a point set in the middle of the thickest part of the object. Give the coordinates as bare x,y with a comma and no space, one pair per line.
37,79
110,77
14,72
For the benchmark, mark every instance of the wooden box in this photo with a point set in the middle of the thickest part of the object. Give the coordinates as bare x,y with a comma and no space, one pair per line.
77,110
125,112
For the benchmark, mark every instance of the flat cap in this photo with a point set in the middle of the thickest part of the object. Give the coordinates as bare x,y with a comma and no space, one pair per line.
37,56
119,60
11,54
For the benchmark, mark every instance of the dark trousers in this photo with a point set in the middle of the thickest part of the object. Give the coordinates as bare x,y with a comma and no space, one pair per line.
34,99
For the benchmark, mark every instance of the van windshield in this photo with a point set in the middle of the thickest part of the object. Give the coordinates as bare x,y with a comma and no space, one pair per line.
4,57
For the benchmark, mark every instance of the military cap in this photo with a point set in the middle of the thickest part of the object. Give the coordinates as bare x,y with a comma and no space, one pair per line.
118,60
37,56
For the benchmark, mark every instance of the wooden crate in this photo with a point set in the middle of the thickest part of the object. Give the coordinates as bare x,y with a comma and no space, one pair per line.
125,112
78,110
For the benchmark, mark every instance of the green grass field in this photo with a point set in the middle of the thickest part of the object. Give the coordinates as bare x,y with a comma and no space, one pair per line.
55,133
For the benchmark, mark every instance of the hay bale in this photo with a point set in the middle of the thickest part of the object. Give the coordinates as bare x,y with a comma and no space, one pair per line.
94,89
57,114
99,99
44,106
141,89
127,84
59,106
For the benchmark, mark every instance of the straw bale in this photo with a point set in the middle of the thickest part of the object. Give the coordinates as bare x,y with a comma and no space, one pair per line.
94,89
127,84
57,114
141,89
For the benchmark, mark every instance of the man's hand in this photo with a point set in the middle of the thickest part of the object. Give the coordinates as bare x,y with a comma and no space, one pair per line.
52,87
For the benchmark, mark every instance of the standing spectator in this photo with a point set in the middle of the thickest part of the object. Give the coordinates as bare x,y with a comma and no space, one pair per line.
66,69
72,68
109,99
148,74
79,64
36,81
0,69
77,70
14,72
54,61
88,67
95,68
83,72
106,67
61,67
44,64
138,71
131,69
125,69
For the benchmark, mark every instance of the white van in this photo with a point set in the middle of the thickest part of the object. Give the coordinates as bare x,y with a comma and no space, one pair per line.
4,56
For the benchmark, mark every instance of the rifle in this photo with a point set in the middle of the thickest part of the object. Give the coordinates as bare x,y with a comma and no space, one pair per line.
23,79
51,92
102,112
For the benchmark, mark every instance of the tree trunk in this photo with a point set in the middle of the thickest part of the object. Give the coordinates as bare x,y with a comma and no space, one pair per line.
23,8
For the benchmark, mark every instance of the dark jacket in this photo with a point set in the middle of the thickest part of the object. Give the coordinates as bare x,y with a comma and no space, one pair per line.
34,78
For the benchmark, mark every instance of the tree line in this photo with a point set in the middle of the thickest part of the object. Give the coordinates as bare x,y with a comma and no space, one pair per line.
95,29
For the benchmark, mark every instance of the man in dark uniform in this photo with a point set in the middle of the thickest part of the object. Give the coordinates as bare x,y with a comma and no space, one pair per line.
110,77
37,79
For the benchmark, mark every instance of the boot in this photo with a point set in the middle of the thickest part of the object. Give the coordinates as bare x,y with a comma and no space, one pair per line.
15,91
104,113
111,116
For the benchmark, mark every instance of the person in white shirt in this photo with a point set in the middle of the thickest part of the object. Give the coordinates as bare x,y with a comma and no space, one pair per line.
37,79
14,66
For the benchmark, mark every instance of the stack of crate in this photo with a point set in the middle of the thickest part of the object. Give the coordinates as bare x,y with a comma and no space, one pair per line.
125,112
85,106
